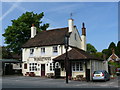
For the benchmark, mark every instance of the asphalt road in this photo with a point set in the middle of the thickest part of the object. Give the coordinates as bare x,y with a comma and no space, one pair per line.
39,82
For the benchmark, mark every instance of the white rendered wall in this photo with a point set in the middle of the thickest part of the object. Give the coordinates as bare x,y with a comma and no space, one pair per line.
26,58
72,41
83,43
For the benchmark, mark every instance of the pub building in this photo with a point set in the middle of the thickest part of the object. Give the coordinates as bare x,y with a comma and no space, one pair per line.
45,52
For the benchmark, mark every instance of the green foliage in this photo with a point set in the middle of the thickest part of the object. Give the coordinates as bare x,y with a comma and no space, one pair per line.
118,49
6,54
91,49
108,52
105,52
114,63
17,34
99,54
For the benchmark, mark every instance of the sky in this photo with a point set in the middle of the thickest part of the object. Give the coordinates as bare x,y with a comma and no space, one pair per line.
100,18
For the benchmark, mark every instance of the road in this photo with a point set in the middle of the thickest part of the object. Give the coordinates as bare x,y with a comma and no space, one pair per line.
40,82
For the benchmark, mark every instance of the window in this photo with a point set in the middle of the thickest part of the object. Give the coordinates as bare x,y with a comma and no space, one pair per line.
77,66
42,50
55,50
57,65
51,66
31,52
73,66
33,66
75,37
25,66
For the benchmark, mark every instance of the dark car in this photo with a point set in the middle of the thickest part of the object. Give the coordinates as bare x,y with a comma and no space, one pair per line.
118,71
101,75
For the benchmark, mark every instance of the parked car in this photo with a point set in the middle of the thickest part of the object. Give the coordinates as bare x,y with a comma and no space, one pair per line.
101,75
118,71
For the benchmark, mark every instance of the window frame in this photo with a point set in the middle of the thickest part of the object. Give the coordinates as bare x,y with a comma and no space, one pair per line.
51,66
25,66
55,49
77,67
31,51
42,50
33,67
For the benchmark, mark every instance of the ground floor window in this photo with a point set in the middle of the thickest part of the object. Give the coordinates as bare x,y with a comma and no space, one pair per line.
33,66
77,66
25,66
51,66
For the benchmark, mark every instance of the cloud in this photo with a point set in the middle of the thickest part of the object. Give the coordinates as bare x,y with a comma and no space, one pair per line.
14,6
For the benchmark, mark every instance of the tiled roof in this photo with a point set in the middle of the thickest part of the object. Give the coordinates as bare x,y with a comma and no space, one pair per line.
47,38
77,54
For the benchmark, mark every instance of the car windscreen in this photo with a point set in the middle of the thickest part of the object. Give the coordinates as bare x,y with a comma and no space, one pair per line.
97,72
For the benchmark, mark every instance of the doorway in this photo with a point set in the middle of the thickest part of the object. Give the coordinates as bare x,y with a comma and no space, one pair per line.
42,69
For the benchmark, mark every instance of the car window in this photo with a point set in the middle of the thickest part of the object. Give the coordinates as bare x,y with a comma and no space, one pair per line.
97,72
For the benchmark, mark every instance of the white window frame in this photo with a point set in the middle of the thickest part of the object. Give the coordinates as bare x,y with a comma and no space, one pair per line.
51,66
77,67
43,50
31,52
33,67
55,50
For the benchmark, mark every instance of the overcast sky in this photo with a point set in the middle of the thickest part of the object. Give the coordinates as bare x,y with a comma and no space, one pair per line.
100,18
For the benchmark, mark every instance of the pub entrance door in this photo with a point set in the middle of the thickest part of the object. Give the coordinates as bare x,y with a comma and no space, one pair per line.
42,69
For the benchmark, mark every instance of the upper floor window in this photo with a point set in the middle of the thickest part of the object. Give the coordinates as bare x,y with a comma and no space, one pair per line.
55,49
31,51
42,50
75,37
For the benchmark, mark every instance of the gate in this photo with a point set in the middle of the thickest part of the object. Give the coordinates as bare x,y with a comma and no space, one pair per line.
88,75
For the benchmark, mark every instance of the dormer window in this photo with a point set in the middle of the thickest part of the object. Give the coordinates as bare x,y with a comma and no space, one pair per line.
31,51
55,50
42,50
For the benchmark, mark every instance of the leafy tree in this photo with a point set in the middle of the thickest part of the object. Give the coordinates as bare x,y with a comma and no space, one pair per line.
17,34
105,53
111,47
6,54
99,54
118,49
91,49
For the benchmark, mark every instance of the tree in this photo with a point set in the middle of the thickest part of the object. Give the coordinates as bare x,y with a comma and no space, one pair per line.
98,54
6,54
91,49
118,48
105,53
111,47
17,34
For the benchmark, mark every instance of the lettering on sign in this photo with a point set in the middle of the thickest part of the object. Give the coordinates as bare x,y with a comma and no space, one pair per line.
42,58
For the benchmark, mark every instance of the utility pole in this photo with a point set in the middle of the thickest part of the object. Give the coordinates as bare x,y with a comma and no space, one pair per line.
66,58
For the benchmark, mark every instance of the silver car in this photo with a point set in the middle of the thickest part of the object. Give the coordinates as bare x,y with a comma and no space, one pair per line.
101,75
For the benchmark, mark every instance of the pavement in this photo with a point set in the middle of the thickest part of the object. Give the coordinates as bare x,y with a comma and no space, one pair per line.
40,82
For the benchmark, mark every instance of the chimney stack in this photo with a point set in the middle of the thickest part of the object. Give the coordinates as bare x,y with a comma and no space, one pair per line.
33,31
70,24
83,29
83,37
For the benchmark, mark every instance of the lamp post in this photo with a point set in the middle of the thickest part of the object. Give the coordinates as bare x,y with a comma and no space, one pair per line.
66,58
